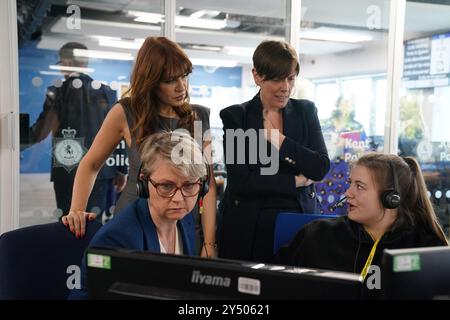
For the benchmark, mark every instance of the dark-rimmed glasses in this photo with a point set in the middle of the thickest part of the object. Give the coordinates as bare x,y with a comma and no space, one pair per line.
168,190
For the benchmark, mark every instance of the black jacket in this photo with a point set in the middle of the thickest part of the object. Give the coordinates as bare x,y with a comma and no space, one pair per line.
302,152
342,244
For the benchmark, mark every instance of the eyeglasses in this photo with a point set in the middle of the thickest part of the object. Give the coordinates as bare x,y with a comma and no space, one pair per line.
168,190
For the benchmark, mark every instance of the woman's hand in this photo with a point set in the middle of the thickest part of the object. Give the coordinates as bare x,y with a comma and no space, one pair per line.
209,250
272,134
76,221
302,181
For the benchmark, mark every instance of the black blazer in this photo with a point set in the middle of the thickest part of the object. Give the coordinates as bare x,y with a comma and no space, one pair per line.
302,152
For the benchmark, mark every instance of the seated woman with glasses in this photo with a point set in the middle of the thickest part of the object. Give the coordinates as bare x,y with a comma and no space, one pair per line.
172,175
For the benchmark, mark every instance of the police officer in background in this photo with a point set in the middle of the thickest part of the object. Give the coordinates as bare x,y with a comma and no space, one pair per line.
74,112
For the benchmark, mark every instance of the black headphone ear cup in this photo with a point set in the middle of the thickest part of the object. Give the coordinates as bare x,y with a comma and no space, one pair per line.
390,199
205,184
204,189
142,185
142,189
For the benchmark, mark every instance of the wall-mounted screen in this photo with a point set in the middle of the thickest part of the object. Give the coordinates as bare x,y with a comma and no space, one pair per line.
427,62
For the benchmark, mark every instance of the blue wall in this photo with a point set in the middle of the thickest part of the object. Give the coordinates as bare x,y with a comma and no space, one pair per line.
216,77
37,158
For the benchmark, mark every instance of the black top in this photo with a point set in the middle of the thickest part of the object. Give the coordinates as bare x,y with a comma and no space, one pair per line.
129,194
343,245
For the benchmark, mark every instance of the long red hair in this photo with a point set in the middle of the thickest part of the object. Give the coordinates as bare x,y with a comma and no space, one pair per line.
159,58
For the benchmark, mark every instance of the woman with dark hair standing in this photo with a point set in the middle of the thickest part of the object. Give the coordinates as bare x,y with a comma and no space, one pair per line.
156,100
254,196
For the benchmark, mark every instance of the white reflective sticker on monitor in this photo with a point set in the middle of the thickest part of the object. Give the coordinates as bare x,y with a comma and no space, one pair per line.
407,262
99,261
250,286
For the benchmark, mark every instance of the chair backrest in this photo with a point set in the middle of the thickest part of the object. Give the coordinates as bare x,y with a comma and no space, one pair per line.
288,224
35,261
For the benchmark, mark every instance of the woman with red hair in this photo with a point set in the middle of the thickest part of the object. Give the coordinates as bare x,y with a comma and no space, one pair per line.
157,100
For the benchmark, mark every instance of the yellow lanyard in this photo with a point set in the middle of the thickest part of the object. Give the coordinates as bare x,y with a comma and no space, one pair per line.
369,259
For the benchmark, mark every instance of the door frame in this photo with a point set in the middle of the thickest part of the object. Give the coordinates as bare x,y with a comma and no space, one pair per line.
9,118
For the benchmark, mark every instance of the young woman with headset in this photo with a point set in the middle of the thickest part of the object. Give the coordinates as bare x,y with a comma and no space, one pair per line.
388,208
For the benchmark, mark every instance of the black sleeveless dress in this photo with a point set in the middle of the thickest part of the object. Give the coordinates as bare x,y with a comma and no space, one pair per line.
129,194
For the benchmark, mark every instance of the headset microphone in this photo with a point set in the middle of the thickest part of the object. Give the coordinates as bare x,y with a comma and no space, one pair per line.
340,203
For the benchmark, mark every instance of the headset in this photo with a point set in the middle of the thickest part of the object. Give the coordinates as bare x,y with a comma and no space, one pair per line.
142,185
143,192
391,198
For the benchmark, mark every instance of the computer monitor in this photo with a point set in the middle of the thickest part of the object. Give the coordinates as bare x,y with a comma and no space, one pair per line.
140,274
420,273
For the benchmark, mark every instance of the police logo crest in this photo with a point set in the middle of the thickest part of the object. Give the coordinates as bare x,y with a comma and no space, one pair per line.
68,150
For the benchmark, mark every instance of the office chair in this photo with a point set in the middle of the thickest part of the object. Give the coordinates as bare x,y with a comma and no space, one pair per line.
288,224
35,261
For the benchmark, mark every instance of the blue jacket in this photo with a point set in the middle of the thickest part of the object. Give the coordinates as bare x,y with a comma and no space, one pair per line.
134,229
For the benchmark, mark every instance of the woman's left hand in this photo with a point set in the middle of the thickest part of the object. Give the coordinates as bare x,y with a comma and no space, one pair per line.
209,250
302,181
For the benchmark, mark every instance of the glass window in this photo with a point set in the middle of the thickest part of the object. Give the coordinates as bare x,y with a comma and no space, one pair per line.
220,37
424,113
343,54
75,62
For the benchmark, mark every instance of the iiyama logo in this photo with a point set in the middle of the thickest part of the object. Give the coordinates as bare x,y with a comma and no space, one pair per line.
209,280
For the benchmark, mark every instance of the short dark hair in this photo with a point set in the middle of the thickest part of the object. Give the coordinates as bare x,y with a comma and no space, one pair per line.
275,59
66,52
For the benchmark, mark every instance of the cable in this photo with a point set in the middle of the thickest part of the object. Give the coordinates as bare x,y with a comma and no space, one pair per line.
357,251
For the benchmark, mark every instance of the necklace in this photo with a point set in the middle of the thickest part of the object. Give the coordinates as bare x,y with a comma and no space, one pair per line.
271,123
168,112
266,117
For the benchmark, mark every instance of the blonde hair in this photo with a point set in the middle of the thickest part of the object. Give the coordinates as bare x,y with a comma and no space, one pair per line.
178,149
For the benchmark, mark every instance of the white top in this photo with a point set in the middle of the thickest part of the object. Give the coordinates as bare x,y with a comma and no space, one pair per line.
178,244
